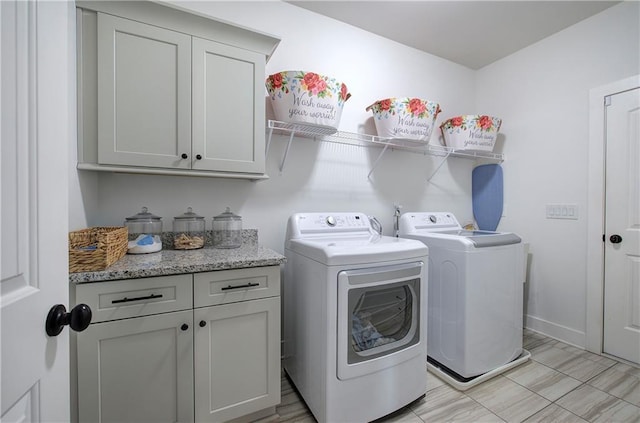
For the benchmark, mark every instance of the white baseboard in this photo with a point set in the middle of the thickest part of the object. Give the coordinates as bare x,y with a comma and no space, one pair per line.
556,331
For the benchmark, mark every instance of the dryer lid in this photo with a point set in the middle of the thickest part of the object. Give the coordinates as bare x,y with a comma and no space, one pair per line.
481,239
439,228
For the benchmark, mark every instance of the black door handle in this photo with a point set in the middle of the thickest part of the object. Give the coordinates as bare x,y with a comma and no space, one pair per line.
615,239
147,297
246,285
78,318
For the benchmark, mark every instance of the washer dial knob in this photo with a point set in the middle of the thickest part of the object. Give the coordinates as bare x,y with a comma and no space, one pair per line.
433,218
331,221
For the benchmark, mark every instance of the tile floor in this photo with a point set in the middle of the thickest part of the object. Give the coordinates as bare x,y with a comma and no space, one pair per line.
560,383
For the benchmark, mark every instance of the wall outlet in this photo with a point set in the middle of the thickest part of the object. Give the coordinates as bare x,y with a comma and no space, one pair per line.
562,211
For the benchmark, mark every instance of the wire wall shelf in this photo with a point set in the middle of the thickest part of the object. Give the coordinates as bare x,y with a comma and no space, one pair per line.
329,134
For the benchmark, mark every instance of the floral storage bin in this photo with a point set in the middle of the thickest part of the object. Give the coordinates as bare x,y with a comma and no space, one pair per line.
307,97
471,132
405,118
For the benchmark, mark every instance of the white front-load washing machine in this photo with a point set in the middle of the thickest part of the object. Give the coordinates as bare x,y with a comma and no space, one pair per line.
475,306
354,323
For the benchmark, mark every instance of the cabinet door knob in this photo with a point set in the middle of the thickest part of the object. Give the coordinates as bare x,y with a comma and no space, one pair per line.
198,157
202,323
78,319
184,326
184,155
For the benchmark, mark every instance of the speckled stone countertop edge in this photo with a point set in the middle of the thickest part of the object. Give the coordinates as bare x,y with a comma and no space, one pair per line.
175,262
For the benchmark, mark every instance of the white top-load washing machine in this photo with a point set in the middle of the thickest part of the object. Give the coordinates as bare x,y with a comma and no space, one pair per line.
354,321
475,307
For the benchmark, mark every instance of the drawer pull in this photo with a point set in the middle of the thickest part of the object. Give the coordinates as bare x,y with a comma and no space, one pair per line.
126,300
247,285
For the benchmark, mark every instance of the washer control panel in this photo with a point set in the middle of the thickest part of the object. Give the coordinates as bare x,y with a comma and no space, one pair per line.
319,223
436,219
430,221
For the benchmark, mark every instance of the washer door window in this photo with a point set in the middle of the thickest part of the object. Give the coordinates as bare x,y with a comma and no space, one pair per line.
378,318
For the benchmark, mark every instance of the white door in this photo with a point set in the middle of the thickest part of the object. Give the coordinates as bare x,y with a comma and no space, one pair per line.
622,227
36,76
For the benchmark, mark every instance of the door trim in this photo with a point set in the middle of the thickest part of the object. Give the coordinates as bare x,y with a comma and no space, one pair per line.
595,210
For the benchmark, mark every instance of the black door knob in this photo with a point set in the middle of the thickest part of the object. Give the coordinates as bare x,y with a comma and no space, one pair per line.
198,157
78,318
615,239
184,155
184,326
202,323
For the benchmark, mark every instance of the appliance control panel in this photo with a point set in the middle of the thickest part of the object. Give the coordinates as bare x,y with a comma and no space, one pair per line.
429,221
318,223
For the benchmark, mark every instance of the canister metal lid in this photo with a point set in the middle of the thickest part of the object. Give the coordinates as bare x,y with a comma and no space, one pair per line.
227,215
144,215
189,215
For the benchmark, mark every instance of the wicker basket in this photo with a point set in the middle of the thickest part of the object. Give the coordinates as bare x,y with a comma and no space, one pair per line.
96,248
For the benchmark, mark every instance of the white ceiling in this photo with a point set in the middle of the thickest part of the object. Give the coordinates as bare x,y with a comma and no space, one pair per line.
471,33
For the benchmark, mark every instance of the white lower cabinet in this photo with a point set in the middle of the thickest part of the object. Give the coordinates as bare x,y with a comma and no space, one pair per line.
150,356
137,370
235,346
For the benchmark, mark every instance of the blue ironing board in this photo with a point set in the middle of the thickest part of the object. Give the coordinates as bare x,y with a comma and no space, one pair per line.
487,195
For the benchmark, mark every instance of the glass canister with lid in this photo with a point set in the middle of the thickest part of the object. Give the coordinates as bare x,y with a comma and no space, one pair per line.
188,231
145,232
227,230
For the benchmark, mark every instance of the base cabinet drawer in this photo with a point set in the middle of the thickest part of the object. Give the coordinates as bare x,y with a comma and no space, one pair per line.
137,370
136,297
230,286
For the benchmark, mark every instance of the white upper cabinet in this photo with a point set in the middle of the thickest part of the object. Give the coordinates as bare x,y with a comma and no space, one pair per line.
144,94
162,91
228,108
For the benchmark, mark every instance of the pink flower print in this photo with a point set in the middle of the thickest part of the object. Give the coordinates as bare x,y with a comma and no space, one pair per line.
276,80
485,122
310,80
320,86
416,106
343,92
384,105
314,83
456,121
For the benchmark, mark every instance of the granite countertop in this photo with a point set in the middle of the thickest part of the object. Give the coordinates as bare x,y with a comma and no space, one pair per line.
173,262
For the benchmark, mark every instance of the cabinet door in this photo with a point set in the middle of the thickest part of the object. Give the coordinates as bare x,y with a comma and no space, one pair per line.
137,370
144,94
237,359
228,108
